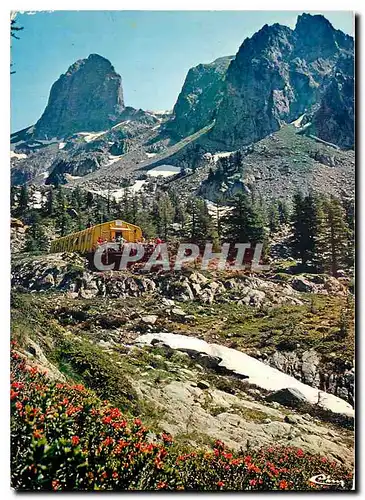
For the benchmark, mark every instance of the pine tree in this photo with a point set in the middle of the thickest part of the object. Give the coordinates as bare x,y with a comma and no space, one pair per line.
273,217
244,223
23,203
305,223
145,221
332,236
76,199
181,216
35,238
349,207
49,206
64,223
164,214
284,212
200,225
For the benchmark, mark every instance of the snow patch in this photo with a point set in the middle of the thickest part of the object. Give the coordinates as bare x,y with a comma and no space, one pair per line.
164,171
151,155
61,145
88,136
298,121
19,156
113,159
118,194
120,123
70,177
258,373
224,154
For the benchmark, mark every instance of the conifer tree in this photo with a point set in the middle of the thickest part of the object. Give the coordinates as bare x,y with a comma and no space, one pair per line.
349,207
49,205
244,223
305,222
23,204
164,215
35,238
181,216
284,212
332,236
273,217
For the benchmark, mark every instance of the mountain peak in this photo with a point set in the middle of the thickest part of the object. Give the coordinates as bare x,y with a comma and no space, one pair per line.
88,97
308,22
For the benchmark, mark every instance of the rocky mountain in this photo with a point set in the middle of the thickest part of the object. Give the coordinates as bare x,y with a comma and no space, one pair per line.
282,85
278,75
89,97
199,98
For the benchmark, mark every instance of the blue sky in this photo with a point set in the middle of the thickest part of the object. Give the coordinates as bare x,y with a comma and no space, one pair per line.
152,50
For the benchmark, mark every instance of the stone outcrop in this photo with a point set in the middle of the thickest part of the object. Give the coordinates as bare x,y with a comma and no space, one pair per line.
88,97
278,75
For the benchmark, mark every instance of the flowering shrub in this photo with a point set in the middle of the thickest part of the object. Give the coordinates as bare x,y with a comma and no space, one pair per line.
64,438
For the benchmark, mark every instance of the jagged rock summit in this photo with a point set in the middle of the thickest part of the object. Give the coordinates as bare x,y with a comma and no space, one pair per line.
279,74
88,97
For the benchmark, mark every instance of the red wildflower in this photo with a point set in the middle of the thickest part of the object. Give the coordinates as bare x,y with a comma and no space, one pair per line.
75,440
17,385
283,485
13,394
115,475
252,482
78,387
300,453
18,405
55,485
167,438
236,461
137,422
161,485
108,441
219,444
37,433
220,484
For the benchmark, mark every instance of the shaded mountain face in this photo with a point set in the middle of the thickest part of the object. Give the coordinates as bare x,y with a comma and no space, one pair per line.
334,121
199,98
88,97
279,74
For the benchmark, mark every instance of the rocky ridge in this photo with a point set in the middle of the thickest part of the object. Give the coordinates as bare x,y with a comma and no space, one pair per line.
279,74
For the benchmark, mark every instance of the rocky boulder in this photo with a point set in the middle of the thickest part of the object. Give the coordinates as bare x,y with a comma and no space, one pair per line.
288,397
